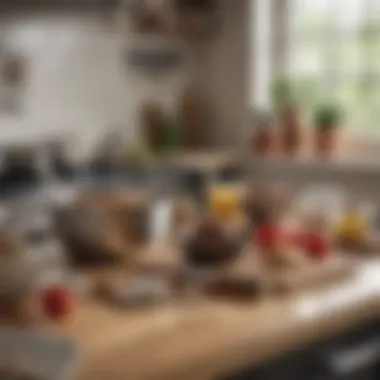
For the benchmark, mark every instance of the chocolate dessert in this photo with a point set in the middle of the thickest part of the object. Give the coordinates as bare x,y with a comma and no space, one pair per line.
234,287
212,245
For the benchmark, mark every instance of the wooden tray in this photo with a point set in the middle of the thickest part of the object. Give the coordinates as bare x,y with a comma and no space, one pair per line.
240,280
311,275
247,278
248,272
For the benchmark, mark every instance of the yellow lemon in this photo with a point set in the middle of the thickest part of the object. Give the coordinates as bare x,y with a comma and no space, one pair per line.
224,203
353,227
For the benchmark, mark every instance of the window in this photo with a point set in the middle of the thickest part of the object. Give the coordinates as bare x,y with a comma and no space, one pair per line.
334,45
262,57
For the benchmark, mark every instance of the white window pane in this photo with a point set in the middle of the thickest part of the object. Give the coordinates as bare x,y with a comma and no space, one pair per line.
350,12
373,10
262,52
337,42
350,55
314,6
306,61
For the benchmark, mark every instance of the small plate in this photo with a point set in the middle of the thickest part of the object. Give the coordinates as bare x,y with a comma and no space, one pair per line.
53,357
138,291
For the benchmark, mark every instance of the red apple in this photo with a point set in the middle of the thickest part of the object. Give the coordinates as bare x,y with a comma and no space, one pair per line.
268,236
316,246
57,302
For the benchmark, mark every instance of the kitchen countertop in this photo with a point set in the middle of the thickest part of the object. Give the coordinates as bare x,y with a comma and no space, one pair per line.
201,338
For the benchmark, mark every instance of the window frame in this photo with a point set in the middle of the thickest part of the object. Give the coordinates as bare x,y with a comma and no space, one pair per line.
281,20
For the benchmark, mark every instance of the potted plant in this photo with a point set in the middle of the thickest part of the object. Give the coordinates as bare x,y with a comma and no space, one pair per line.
287,108
281,92
327,119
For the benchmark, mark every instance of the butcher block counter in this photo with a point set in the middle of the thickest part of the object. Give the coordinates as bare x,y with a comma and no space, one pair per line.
195,339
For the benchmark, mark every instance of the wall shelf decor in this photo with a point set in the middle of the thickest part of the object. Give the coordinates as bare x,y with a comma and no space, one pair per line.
154,60
195,18
150,16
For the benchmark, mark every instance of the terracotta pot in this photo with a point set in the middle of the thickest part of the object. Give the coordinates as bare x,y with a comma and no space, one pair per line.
325,142
263,140
291,130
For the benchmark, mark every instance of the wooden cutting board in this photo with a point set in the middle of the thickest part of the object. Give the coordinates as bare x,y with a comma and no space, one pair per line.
167,259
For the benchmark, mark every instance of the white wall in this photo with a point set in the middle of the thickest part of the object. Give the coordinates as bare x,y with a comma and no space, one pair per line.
78,81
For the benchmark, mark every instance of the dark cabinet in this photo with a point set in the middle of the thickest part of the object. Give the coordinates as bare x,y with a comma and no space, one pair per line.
354,355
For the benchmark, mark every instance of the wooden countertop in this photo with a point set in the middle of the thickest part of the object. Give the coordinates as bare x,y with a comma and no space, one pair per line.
196,339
